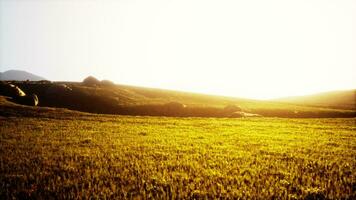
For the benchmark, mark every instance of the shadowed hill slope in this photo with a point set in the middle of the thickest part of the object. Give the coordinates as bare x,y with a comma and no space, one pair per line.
335,99
105,98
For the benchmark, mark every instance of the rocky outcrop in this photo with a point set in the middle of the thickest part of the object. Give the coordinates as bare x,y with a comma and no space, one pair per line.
17,95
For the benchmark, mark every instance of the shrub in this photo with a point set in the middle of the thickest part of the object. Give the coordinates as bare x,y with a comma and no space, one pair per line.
232,108
107,83
91,81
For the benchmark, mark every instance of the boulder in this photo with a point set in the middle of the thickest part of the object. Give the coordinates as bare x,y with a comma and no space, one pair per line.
30,100
10,90
17,95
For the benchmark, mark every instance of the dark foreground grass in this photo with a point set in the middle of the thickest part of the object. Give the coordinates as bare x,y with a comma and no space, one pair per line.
118,157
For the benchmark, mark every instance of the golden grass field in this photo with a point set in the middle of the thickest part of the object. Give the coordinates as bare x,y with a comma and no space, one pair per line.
55,153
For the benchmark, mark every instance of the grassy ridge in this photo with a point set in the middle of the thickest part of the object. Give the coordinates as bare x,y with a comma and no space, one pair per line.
336,99
85,155
129,100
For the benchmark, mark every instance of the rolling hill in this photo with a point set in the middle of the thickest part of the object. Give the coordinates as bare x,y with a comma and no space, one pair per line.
18,75
131,100
335,99
105,97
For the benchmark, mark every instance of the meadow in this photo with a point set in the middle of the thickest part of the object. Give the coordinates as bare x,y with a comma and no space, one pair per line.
57,153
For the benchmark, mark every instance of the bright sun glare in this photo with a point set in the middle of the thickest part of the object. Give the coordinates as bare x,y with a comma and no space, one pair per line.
255,49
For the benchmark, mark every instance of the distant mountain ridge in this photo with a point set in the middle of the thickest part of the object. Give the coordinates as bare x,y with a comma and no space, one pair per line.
345,99
19,75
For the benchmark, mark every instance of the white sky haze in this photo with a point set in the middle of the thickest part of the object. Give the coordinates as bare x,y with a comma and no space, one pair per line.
255,49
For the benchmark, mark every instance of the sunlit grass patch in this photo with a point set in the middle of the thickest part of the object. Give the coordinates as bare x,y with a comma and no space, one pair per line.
153,157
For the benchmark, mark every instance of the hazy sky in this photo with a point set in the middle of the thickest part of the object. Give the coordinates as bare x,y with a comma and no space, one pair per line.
255,48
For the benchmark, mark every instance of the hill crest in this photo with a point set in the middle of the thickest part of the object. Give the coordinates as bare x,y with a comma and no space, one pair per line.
342,99
19,75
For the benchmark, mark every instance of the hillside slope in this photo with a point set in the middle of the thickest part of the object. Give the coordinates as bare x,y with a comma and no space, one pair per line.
19,75
335,99
130,100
